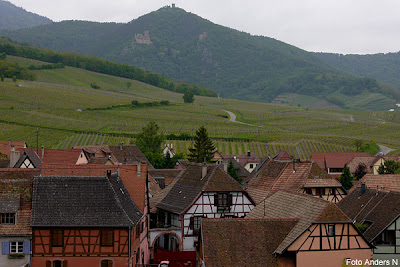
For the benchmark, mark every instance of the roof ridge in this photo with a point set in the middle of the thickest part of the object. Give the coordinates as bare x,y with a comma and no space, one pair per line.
117,198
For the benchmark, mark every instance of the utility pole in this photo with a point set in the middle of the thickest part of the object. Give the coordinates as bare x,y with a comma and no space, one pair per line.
37,141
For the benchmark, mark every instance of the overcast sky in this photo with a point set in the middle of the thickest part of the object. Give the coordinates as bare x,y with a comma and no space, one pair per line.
339,26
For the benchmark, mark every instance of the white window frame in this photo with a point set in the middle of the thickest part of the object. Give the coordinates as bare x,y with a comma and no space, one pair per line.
16,247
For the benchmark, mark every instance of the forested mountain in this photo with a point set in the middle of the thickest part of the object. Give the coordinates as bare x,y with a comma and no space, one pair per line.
382,67
184,46
13,17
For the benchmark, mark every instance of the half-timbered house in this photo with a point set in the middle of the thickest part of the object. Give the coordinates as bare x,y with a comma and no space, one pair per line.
296,176
377,214
83,221
201,191
15,215
323,235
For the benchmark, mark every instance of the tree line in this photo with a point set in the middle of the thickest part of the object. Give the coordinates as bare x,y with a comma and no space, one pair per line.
102,66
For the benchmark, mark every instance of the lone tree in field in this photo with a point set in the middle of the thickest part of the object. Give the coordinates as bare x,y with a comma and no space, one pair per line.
188,96
203,147
2,77
346,179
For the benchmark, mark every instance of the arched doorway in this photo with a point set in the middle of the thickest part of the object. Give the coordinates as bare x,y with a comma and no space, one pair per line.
166,242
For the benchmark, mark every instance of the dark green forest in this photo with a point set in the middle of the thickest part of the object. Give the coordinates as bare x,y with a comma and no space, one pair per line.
13,17
382,67
185,47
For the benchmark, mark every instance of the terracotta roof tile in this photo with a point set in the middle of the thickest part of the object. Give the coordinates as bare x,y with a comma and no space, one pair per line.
308,209
335,159
243,242
386,182
277,175
17,184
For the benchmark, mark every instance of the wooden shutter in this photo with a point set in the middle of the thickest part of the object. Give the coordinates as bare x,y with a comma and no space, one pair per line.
137,230
191,224
65,263
48,263
230,200
216,199
5,248
27,247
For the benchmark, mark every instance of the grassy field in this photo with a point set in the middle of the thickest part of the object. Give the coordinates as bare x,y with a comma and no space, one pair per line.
56,103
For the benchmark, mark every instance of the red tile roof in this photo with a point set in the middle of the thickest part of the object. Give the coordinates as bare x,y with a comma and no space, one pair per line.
335,159
59,156
17,183
385,182
308,209
277,175
244,159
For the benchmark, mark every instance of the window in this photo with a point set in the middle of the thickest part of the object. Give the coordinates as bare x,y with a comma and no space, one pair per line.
57,263
309,191
331,230
320,191
175,220
196,222
16,247
335,170
106,263
223,201
107,237
387,237
57,238
8,218
251,166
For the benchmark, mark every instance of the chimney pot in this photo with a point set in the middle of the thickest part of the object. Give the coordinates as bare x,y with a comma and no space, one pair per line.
248,153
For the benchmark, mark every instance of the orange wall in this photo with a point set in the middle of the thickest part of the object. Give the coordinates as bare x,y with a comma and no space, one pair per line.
331,258
80,261
41,242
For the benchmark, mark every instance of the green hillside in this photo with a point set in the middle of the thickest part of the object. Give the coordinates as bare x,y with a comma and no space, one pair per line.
67,111
183,46
382,67
13,17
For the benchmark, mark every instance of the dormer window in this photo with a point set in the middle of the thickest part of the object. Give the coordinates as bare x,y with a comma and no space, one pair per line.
7,218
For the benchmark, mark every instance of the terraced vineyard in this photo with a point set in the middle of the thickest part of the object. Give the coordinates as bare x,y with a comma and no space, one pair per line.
58,103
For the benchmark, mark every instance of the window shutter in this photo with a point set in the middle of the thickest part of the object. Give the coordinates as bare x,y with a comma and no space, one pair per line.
137,231
5,248
191,224
230,200
216,199
27,247
65,263
48,263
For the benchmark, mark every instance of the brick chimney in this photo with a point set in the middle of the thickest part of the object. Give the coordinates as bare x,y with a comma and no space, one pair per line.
139,170
203,170
14,156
